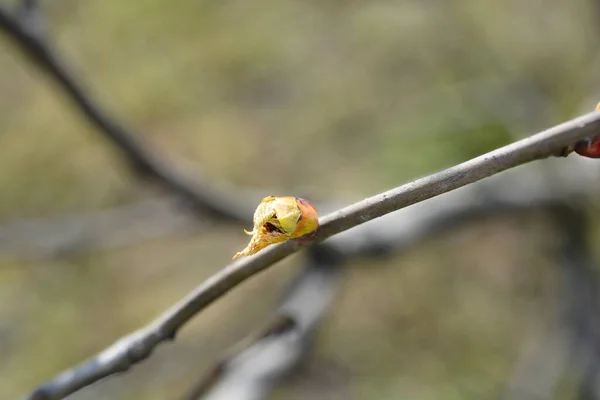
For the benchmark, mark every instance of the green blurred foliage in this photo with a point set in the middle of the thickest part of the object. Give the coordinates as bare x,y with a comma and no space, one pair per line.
342,99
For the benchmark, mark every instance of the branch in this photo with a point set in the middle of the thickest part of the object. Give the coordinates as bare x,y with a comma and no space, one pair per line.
24,30
81,232
160,217
544,183
580,307
140,344
573,346
498,196
29,15
252,369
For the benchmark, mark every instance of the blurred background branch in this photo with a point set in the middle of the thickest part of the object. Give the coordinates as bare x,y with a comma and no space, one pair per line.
456,297
144,159
571,347
254,368
397,233
137,346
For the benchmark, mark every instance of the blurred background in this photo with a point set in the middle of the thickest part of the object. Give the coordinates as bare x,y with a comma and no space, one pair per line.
335,101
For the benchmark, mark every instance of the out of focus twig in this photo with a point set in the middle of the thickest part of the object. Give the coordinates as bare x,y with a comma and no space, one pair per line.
147,163
139,345
555,180
581,308
23,27
251,369
576,339
64,235
499,196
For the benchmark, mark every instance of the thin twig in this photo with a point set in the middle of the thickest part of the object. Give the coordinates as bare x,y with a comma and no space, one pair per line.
74,233
249,370
139,345
572,347
145,160
580,308
401,231
77,233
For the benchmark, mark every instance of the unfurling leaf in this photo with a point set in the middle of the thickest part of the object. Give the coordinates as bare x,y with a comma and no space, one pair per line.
278,219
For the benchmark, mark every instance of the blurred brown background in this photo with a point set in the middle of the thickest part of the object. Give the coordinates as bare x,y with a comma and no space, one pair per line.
334,99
